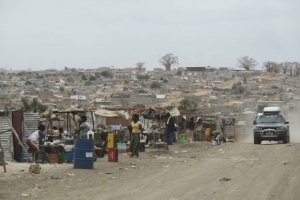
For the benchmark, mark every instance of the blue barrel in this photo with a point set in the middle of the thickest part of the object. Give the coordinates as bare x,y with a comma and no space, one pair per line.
84,154
70,156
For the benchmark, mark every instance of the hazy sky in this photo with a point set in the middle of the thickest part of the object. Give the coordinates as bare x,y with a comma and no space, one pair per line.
43,34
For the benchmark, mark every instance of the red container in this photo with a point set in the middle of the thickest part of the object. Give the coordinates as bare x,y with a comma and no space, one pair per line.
112,155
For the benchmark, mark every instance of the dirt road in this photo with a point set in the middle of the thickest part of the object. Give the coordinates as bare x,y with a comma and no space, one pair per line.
232,171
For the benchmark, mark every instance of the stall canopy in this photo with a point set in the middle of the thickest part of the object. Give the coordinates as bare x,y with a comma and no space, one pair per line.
174,112
110,113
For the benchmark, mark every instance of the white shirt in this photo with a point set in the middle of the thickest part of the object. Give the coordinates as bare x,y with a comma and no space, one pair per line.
34,136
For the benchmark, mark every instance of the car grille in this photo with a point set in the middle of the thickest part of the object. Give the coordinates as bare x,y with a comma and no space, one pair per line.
273,128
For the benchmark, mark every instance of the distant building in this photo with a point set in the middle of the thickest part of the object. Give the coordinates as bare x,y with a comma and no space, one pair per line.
223,68
196,69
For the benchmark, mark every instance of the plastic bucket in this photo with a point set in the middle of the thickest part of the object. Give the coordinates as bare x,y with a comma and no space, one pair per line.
142,146
121,147
52,158
84,154
181,138
208,134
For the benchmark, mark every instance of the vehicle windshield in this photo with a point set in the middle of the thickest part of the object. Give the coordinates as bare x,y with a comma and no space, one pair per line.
271,119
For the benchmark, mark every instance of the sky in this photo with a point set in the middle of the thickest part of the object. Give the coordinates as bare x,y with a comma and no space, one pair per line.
53,34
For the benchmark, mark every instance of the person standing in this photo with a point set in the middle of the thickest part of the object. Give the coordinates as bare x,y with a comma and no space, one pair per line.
135,129
35,139
61,135
170,129
222,123
83,128
191,130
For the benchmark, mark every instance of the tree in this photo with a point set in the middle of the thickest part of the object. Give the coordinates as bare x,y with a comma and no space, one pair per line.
92,78
188,104
168,60
83,77
35,106
237,88
285,66
26,105
140,66
271,66
107,74
246,63
297,70
179,73
145,77
155,85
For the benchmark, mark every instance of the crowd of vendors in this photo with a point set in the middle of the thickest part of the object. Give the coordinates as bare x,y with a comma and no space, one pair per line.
146,128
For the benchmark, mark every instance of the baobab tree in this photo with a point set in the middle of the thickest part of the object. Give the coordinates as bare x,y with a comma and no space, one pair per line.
285,66
140,65
246,63
168,60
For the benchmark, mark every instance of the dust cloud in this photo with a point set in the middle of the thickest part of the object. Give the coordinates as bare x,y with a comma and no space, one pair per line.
293,117
244,128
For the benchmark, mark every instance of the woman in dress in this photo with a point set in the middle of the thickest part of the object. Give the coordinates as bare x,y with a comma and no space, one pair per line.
135,129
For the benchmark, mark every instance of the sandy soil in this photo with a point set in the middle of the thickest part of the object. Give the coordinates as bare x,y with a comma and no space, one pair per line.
230,171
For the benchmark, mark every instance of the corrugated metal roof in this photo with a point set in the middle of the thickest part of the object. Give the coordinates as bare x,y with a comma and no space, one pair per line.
6,139
30,124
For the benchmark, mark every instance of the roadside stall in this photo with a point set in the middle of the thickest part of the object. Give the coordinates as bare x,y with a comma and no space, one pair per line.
108,121
58,146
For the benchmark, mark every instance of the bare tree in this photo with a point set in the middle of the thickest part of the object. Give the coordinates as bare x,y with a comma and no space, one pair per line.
296,68
285,66
268,66
168,60
271,66
140,65
246,63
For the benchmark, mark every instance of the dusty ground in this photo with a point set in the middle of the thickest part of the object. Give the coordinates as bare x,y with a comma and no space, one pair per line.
230,171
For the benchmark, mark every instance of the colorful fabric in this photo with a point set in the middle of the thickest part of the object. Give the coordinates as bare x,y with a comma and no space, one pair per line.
136,127
134,144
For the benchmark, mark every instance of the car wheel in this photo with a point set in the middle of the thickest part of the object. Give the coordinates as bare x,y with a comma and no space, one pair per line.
257,140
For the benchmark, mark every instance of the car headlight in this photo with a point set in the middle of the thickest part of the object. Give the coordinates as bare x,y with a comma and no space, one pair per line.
281,128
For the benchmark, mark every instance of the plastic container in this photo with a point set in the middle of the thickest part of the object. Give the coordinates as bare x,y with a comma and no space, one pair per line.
52,158
70,157
208,134
112,155
62,157
90,135
181,138
121,147
84,154
112,141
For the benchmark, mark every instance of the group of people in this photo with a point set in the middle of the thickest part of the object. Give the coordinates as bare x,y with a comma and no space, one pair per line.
135,128
38,137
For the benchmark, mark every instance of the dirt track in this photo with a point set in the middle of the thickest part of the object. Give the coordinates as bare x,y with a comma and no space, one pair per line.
232,171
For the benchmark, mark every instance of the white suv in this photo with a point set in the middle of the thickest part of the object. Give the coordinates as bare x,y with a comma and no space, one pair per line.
271,125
